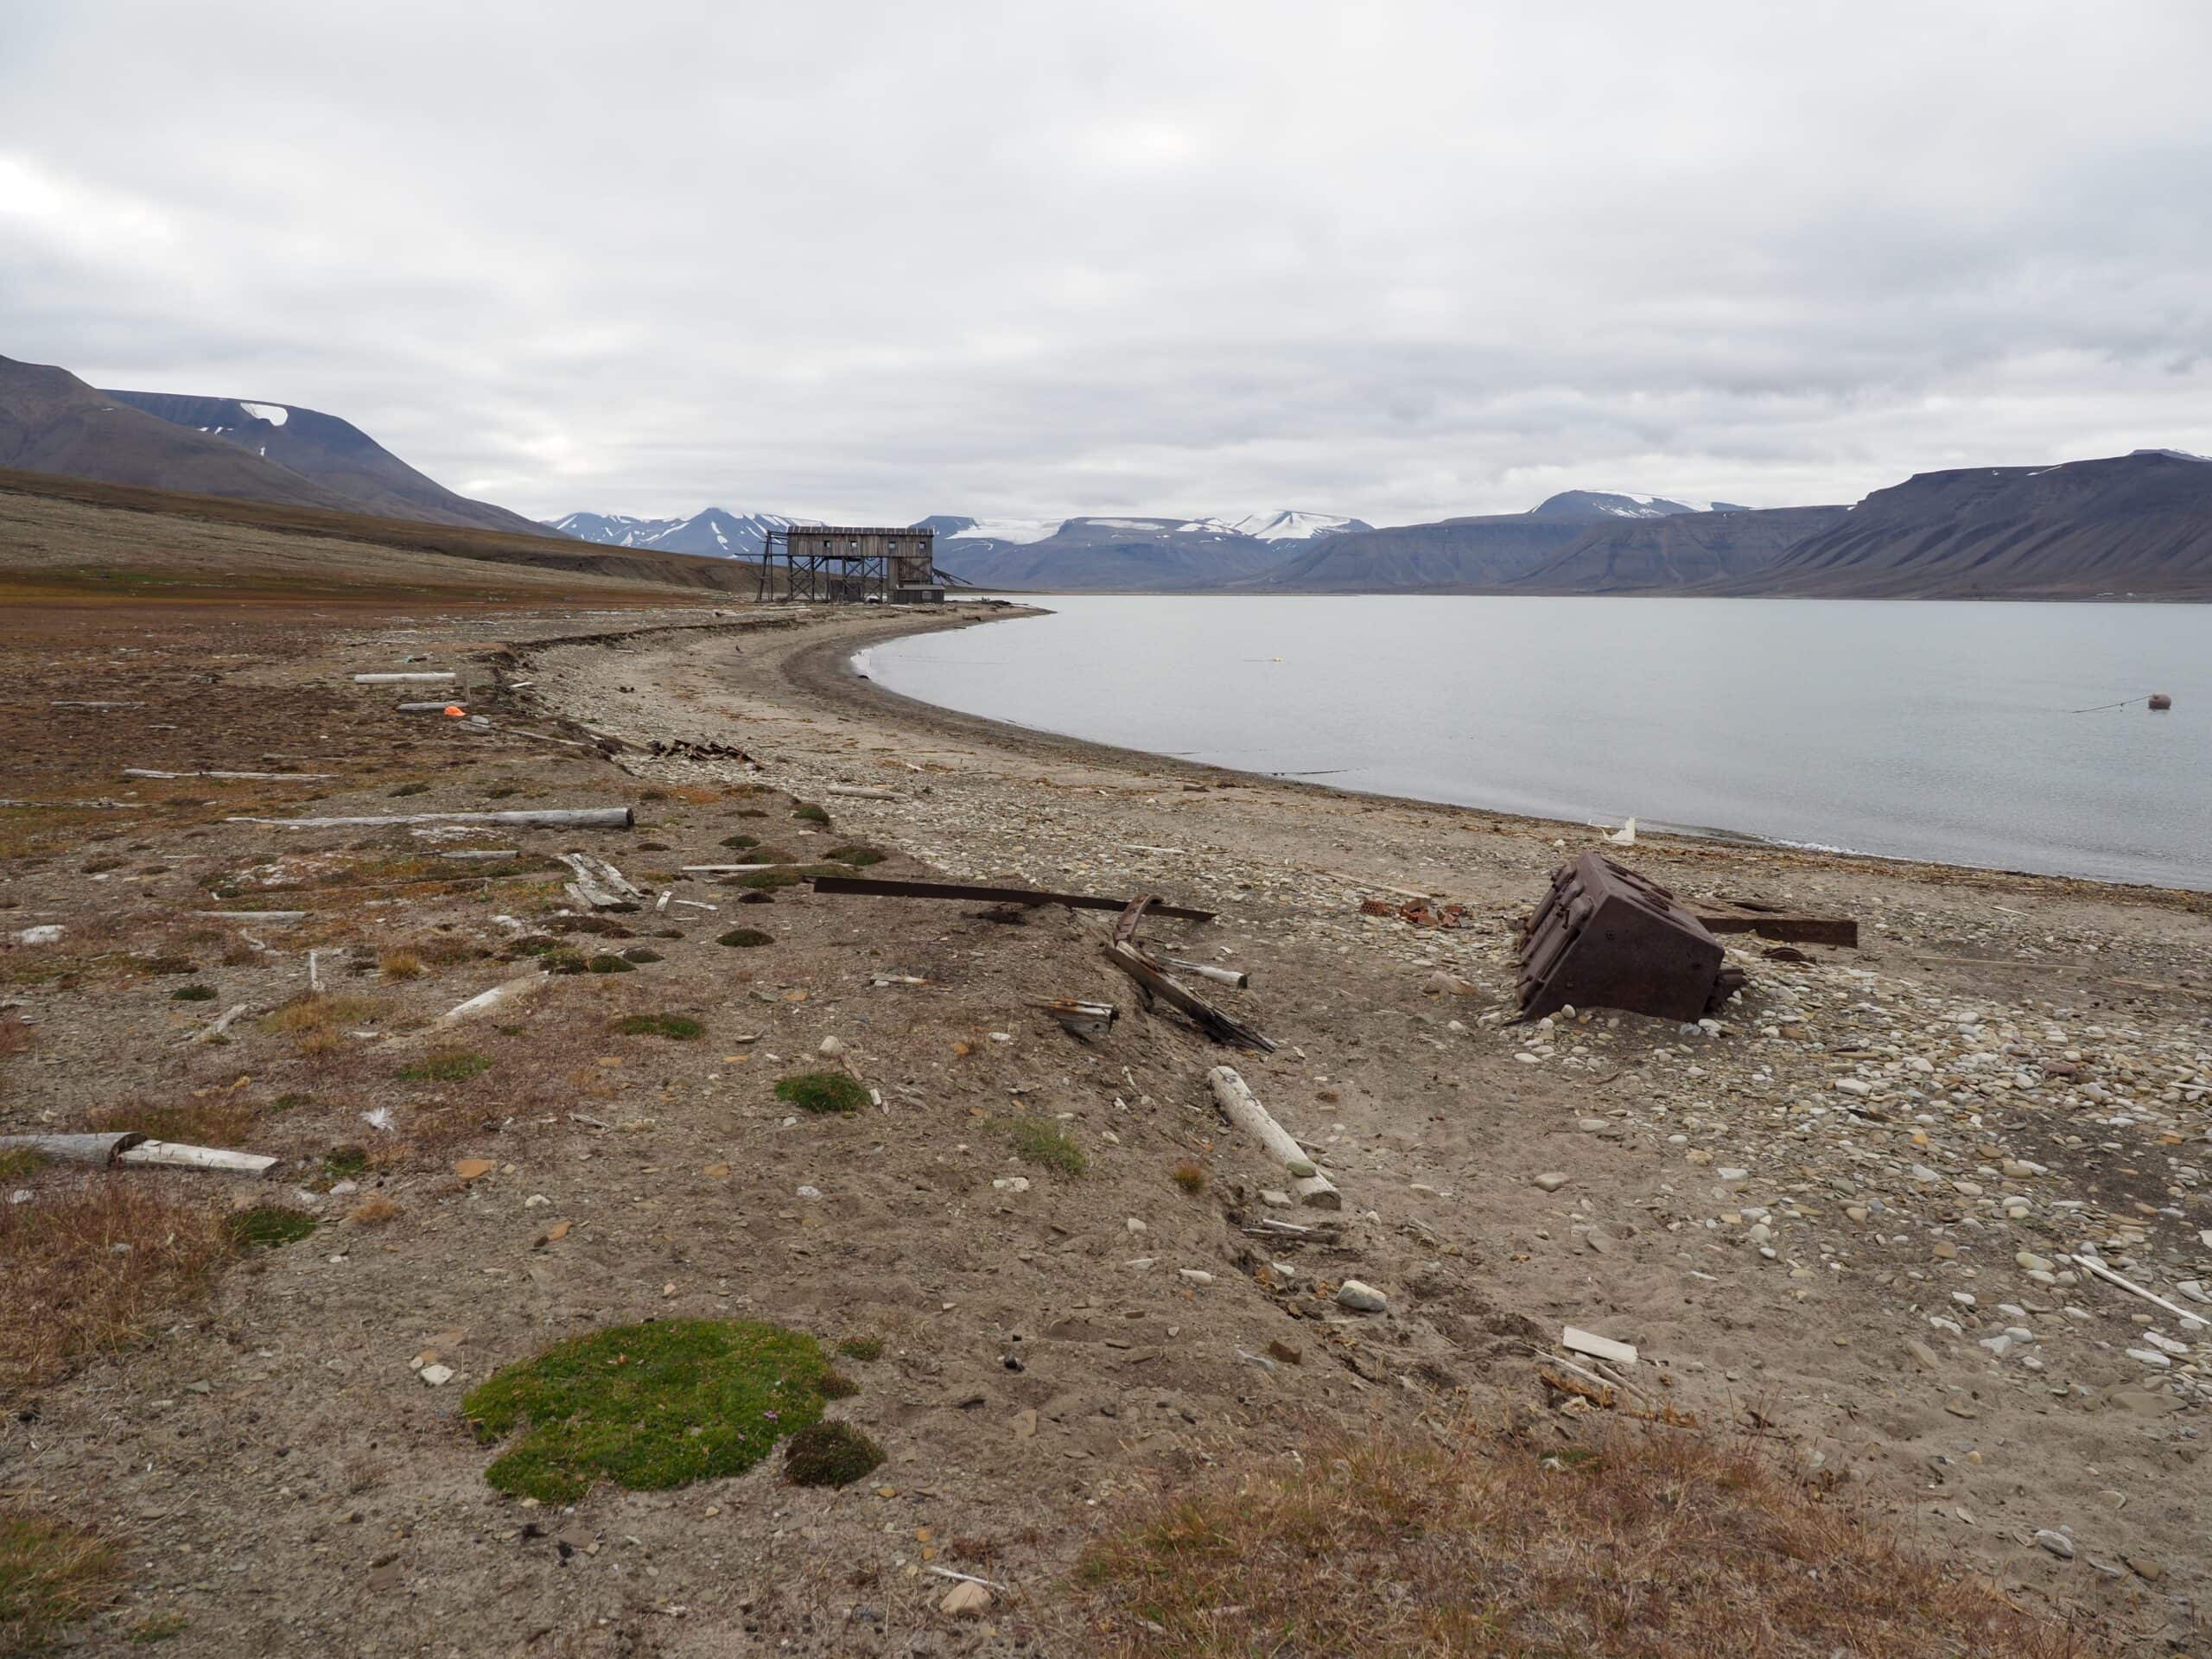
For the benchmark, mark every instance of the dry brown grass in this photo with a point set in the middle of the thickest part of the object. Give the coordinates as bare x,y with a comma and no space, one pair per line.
375,1211
401,964
209,1117
50,1573
1479,1541
72,1292
15,1035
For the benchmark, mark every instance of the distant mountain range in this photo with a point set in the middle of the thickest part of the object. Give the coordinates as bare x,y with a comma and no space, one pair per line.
713,534
52,421
2134,525
1093,554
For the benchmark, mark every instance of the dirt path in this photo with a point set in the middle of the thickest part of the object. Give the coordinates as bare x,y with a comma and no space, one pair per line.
1871,1274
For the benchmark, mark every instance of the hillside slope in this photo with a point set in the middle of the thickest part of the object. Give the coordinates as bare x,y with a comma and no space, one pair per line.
334,454
52,421
2137,524
1678,551
1094,555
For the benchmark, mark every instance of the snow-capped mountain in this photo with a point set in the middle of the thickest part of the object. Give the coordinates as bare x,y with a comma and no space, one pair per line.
1290,525
712,534
1621,504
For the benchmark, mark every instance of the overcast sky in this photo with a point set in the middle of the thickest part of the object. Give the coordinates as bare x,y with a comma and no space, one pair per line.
864,261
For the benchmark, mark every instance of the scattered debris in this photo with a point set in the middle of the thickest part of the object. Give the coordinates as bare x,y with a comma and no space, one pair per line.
498,996
881,887
1597,1347
1084,1020
1419,913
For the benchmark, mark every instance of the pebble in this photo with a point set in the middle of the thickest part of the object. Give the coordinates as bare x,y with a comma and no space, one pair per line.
436,1375
1551,1181
1361,1298
831,1047
1194,1275
2058,1543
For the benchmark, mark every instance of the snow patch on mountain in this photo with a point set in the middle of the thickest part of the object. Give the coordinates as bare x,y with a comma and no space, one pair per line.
1018,532
272,413
1291,524
711,534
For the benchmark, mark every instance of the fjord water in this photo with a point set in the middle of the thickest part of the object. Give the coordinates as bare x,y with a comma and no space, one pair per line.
1922,729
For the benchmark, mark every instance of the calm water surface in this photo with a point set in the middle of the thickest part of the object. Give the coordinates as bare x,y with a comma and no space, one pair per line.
1920,730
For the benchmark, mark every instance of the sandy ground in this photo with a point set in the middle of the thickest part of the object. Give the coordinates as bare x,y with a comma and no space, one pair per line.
1874,1276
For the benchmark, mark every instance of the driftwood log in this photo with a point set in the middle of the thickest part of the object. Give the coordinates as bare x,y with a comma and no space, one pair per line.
107,1151
583,818
404,679
237,777
1241,1107
599,885
500,995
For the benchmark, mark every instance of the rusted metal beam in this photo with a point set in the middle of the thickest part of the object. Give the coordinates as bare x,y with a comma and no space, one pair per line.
881,887
1773,922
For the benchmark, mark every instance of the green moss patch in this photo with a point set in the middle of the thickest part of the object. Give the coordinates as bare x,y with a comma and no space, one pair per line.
861,1348
405,790
808,812
766,881
830,1454
267,1227
822,1091
193,994
858,858
745,938
648,1405
1040,1142
611,965
740,843
447,1065
680,1026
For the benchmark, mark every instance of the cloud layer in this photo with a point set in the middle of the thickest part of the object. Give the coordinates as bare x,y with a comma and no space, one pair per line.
866,261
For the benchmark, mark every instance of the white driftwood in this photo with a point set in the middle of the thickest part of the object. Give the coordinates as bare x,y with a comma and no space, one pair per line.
2106,1273
237,777
429,707
697,904
545,737
599,885
1241,1107
100,1149
275,918
404,679
1379,887
861,793
213,1033
1597,1347
74,703
315,972
512,990
584,817
1207,970
170,1155
493,852
724,869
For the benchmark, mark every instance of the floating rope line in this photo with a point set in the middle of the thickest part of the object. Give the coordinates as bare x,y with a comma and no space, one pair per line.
2102,707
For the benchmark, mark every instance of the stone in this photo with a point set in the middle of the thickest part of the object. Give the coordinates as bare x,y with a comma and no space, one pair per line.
1363,1298
2057,1542
1012,1184
1194,1275
1551,1181
830,1048
1922,1353
473,1169
1024,1424
436,1375
965,1597
1274,1199
1289,1352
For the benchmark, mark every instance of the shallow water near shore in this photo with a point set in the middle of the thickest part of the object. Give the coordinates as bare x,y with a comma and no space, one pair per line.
1927,730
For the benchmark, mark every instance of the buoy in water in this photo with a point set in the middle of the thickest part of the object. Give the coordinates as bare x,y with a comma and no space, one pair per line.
2160,700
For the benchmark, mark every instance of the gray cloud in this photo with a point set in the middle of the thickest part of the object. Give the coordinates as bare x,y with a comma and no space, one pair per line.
861,260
